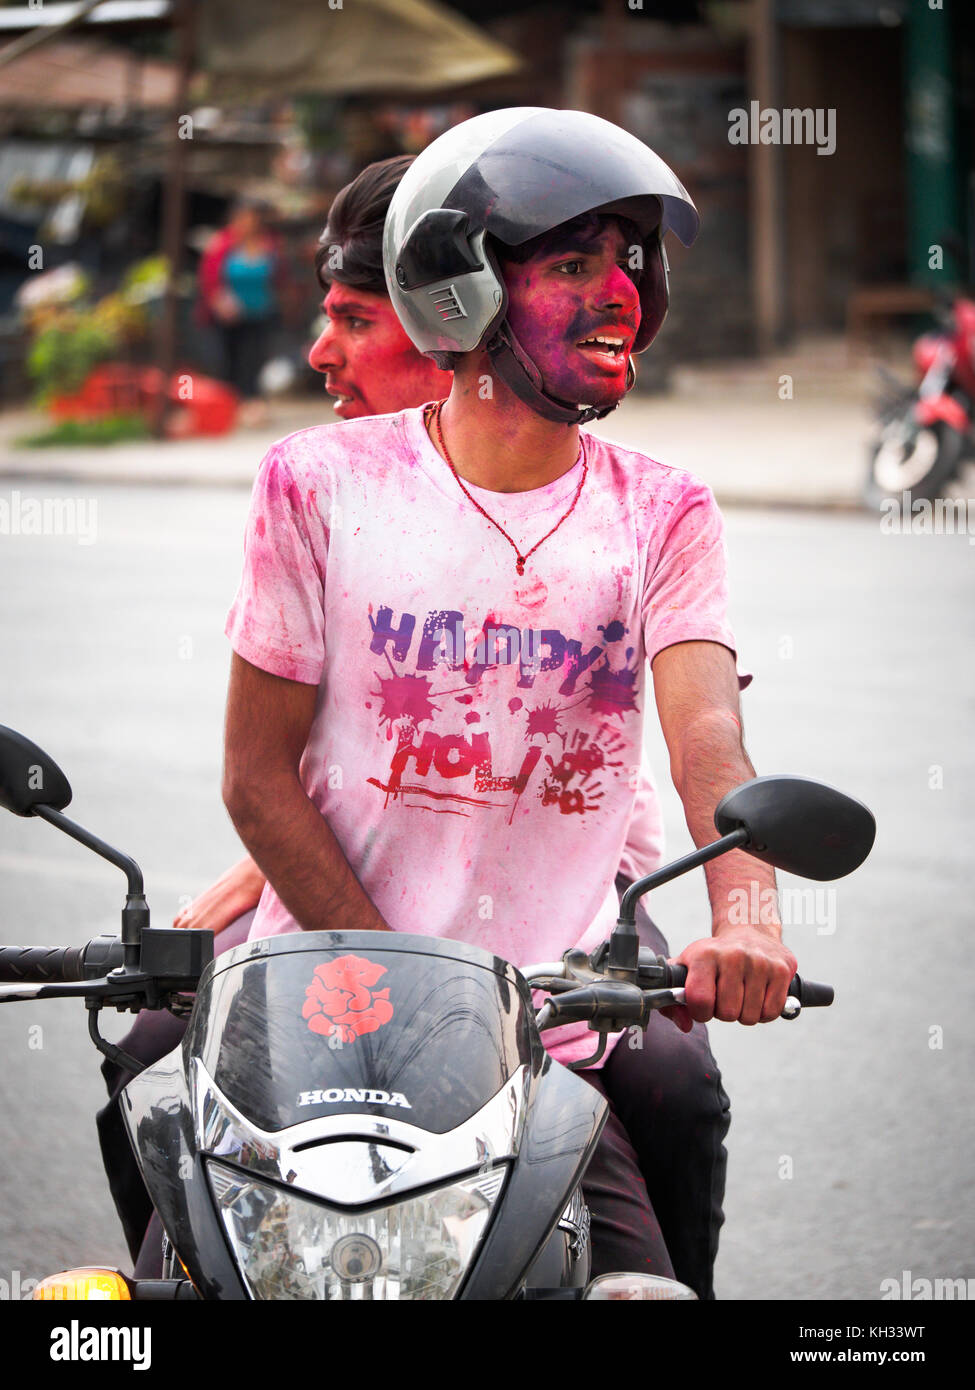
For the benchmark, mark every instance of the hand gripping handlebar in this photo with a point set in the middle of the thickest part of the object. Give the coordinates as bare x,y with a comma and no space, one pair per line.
811,995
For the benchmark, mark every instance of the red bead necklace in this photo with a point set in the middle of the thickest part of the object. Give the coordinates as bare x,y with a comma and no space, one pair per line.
436,411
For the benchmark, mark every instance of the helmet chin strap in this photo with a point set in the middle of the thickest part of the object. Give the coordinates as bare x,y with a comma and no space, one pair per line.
520,375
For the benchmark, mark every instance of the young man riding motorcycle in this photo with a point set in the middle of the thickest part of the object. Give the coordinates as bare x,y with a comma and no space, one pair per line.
371,367
405,576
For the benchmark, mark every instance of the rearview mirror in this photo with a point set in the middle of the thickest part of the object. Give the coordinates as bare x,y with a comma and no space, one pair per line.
798,825
28,777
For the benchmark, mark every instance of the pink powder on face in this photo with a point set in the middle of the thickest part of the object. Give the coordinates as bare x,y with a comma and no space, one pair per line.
556,300
367,359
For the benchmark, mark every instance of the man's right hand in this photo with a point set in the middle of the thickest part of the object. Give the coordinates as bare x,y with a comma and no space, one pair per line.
233,894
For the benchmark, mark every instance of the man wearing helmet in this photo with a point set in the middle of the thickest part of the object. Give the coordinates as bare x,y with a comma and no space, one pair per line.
451,611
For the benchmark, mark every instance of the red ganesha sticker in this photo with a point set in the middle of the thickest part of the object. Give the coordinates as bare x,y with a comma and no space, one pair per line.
340,1000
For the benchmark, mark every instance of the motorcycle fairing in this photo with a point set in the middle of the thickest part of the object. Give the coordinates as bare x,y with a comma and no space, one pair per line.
563,1118
294,1027
158,1116
359,1159
565,1121
541,1124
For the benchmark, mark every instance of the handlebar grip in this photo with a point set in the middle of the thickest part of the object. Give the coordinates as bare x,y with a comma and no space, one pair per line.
810,993
41,965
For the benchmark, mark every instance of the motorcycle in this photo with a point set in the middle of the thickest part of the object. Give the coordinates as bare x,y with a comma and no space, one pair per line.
925,432
372,1116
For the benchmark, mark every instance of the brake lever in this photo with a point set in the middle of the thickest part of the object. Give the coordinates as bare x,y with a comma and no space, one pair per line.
669,997
120,992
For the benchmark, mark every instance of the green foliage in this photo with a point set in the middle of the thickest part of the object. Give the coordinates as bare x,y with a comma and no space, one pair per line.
64,352
71,336
145,280
110,429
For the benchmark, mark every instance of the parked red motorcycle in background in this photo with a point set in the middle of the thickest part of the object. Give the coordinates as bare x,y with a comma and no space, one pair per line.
925,432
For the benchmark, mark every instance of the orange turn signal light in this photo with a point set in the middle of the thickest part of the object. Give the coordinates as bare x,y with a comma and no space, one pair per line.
90,1283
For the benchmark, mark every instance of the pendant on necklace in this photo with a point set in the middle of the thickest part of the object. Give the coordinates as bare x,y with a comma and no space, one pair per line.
520,565
531,595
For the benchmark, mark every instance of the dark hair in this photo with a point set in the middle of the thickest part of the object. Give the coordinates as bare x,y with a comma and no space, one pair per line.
350,249
587,224
251,202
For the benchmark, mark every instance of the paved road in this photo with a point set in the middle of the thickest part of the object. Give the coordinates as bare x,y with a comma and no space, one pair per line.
853,1128
749,446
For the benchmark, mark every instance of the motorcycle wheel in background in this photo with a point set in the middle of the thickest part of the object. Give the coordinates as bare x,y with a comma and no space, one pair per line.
908,457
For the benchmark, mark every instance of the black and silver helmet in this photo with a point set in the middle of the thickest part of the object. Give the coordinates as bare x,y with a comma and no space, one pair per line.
513,175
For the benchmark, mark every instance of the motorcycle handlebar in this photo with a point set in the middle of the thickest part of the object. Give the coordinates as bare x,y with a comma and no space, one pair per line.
49,965
810,993
46,965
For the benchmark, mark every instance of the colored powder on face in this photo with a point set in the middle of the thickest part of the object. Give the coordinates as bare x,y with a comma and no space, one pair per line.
551,311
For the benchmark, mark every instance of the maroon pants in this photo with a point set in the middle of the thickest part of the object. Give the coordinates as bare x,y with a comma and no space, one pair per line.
655,1184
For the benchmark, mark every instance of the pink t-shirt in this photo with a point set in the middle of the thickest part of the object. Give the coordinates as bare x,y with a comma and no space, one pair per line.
476,746
643,851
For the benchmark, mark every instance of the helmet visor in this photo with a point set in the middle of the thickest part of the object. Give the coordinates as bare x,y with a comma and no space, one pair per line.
555,165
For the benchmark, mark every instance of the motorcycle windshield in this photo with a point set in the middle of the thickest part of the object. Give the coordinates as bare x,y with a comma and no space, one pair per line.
294,1027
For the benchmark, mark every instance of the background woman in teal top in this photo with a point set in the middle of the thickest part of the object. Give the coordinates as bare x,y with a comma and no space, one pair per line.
237,286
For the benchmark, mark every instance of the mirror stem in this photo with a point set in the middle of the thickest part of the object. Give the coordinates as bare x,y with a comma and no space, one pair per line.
114,856
135,914
736,839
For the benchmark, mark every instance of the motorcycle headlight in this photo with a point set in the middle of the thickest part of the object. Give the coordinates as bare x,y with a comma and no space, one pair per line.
288,1246
628,1287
